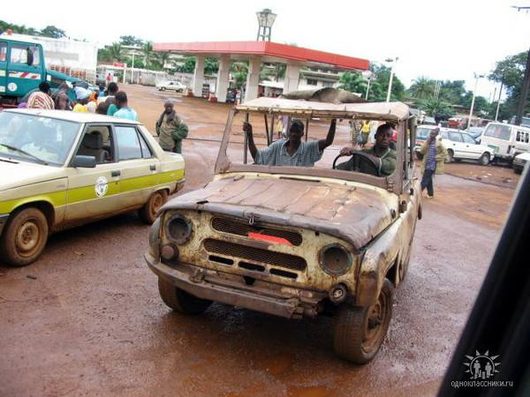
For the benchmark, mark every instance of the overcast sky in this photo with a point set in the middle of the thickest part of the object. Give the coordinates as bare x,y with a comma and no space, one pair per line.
445,40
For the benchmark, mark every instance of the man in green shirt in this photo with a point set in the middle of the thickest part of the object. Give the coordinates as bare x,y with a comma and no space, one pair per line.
170,129
381,154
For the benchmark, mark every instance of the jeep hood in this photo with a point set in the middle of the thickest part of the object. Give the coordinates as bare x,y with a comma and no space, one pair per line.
356,213
21,173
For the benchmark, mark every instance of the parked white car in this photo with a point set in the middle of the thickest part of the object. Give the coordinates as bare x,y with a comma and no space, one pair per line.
176,86
461,146
520,161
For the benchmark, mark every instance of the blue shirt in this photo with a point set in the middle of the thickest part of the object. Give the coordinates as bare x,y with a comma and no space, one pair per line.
430,163
126,113
276,154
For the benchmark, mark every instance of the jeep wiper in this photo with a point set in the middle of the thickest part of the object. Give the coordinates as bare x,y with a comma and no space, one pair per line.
16,149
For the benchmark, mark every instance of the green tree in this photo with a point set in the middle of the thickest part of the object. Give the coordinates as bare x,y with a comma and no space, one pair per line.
422,88
161,58
188,66
510,71
435,107
148,53
353,82
453,92
53,32
239,71
115,52
131,41
379,85
211,66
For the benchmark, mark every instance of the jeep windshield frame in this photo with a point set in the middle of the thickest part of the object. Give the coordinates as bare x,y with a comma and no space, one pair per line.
394,112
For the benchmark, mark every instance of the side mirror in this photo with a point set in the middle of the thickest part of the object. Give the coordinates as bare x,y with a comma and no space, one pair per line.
81,161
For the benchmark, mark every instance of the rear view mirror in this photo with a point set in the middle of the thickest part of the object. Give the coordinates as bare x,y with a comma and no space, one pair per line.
81,161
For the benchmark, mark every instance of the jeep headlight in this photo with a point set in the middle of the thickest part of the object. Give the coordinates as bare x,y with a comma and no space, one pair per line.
154,239
179,229
335,259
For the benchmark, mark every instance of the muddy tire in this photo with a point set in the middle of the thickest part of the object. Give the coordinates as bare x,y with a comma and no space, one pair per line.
484,159
359,331
24,237
150,209
450,156
180,300
162,88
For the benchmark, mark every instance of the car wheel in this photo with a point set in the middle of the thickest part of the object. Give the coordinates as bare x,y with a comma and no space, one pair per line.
179,300
162,88
150,209
360,331
450,156
484,159
24,237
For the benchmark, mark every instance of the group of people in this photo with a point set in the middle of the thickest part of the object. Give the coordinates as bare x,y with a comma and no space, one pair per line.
292,151
113,102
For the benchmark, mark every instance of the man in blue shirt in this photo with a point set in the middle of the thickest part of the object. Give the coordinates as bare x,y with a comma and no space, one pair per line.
291,151
124,111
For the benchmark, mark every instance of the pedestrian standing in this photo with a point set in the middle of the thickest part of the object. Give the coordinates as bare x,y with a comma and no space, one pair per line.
434,155
170,129
41,99
124,111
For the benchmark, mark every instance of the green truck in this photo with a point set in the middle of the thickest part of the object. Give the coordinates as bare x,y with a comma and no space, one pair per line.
23,68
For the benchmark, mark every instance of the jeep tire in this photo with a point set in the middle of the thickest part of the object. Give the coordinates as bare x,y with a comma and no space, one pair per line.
179,300
359,331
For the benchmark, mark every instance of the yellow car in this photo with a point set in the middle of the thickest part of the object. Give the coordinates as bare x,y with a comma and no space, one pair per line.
60,169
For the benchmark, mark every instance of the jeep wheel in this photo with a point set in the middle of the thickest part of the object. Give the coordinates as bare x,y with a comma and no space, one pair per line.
150,209
360,331
484,159
450,156
24,237
180,300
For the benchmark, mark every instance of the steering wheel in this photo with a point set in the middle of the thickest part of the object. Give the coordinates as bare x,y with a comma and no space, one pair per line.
359,162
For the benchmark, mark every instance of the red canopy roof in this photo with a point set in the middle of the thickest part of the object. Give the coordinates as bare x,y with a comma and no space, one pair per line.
266,49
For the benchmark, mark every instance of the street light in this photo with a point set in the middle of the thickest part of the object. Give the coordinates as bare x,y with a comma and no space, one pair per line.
477,76
265,21
367,74
393,61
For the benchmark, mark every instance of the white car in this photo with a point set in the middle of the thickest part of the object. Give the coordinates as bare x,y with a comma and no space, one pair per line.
176,86
461,146
520,161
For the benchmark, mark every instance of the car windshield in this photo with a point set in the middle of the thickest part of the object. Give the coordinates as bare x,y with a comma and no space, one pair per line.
35,138
498,131
422,132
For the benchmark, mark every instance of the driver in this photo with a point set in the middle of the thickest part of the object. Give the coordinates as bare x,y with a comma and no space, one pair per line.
290,152
381,153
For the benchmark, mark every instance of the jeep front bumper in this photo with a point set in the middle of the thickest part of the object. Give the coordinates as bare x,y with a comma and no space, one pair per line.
234,290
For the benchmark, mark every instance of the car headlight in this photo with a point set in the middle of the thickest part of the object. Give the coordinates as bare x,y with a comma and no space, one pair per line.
335,260
154,239
179,229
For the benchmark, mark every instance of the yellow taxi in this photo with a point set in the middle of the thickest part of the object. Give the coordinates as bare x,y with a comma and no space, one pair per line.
60,169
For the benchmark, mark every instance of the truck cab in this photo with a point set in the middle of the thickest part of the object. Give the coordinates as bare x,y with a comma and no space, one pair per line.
22,68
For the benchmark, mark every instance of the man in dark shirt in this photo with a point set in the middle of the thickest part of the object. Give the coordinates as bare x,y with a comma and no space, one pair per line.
381,154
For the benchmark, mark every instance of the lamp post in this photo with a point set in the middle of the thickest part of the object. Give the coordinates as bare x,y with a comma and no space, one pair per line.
393,61
265,21
477,76
367,74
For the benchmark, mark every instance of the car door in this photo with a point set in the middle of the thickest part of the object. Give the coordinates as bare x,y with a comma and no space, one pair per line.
94,192
471,149
456,144
139,167
3,67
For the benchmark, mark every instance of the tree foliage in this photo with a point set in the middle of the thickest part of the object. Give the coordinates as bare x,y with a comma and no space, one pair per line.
353,82
53,32
131,41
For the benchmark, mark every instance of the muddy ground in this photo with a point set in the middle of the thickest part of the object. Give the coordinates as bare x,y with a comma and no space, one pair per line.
86,318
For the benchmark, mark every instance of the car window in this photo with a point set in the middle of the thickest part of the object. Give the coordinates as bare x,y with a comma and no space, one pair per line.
146,150
455,136
498,131
97,142
3,51
444,135
468,139
28,55
128,143
32,137
522,136
422,132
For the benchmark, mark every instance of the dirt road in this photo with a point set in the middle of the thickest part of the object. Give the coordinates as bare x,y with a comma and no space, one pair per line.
86,319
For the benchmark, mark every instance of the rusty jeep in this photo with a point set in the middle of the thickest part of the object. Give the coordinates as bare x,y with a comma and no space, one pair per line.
295,241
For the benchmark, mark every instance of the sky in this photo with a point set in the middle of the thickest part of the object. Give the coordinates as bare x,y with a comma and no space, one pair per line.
442,40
